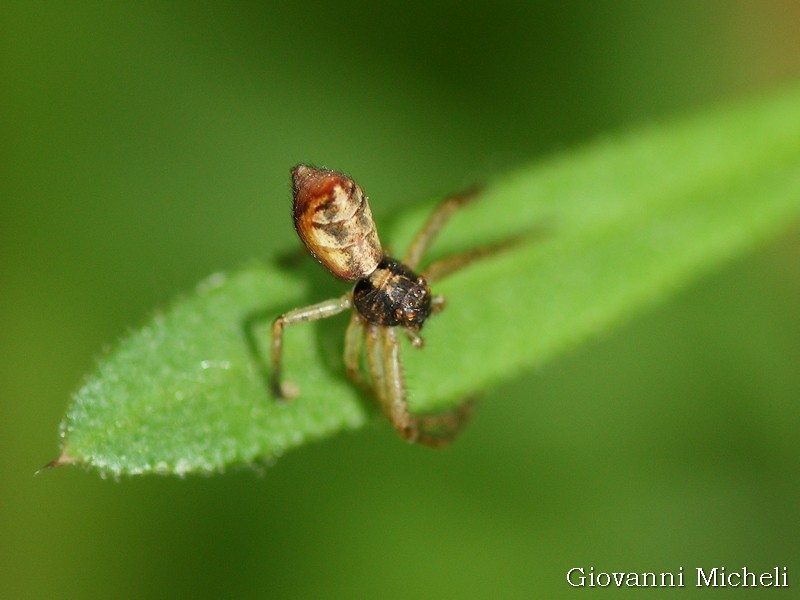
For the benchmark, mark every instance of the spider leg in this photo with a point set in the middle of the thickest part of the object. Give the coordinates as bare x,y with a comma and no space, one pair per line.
449,264
322,310
395,401
415,338
390,387
434,430
353,342
425,237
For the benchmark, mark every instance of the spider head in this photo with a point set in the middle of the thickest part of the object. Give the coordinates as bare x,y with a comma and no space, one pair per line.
415,305
393,295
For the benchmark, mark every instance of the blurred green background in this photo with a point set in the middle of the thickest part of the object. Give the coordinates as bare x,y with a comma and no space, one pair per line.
146,145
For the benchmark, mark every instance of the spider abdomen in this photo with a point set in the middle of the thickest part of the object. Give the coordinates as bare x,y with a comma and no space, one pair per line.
333,218
393,295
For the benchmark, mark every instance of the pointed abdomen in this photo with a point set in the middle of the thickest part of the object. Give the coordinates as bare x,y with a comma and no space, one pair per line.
333,218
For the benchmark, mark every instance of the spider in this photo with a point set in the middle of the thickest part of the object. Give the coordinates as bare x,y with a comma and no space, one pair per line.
333,219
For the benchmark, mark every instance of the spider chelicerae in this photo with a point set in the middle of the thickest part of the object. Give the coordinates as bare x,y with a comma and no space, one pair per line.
333,219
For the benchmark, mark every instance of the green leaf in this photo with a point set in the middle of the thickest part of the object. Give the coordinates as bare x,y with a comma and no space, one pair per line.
607,230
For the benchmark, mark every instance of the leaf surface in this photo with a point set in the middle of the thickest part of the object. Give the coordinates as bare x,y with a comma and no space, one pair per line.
606,230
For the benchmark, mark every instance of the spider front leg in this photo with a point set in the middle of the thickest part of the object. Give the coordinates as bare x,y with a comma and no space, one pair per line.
353,342
434,430
449,264
322,310
426,236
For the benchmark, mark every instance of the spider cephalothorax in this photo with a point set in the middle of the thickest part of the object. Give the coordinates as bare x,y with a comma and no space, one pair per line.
333,219
393,295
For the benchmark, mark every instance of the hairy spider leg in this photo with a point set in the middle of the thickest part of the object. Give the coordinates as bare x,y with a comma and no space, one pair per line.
443,267
314,312
449,264
394,387
425,237
434,430
353,344
437,430
376,372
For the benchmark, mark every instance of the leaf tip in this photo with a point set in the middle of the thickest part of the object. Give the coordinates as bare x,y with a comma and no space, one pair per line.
62,459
